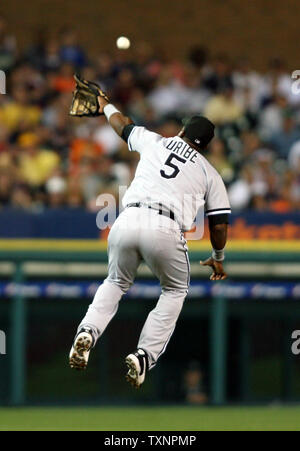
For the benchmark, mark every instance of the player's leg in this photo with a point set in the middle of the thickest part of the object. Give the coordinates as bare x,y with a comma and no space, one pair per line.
124,260
166,254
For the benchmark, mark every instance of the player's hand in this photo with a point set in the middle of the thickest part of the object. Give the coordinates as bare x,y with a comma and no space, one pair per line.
88,98
102,101
217,267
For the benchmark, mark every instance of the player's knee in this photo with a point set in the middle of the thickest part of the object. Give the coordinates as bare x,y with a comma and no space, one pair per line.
122,284
179,288
178,284
175,297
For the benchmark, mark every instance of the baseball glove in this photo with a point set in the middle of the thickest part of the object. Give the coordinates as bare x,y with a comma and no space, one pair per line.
85,98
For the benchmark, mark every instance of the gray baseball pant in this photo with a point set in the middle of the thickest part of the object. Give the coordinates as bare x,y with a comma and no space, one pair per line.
163,248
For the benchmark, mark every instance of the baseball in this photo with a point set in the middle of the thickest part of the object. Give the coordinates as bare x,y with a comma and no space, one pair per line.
123,43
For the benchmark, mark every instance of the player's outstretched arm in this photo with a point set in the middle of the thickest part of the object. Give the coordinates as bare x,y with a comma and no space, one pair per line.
115,118
218,238
89,100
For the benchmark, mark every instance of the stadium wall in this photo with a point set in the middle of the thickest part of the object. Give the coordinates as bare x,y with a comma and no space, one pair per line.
218,24
81,224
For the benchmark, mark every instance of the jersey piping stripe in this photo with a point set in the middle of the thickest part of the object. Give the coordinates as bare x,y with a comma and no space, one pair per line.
163,349
128,141
188,282
218,212
218,209
187,260
189,270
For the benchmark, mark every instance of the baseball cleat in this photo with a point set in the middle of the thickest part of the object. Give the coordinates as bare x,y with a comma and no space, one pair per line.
81,348
137,364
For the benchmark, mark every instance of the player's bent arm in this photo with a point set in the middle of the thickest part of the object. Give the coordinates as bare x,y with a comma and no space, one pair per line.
116,119
118,122
124,127
218,236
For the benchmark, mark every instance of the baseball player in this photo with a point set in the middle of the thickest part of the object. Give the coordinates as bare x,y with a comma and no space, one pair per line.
158,206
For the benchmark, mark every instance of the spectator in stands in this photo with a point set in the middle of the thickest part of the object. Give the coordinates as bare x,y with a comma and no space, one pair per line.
283,139
248,85
218,75
35,164
6,184
18,113
193,384
240,192
64,80
74,195
56,188
70,51
256,149
271,117
223,108
217,157
8,47
21,197
169,95
294,157
51,58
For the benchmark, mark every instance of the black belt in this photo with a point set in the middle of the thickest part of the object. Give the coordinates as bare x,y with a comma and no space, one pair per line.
168,214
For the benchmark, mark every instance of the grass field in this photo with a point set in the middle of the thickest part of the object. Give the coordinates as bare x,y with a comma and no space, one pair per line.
151,419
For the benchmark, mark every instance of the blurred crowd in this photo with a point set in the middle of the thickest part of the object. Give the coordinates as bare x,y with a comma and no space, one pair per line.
48,159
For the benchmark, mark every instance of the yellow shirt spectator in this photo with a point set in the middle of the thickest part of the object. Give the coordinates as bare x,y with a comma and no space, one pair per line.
35,164
12,114
221,109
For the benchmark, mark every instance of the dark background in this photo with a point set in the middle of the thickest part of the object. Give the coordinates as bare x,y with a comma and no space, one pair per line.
256,28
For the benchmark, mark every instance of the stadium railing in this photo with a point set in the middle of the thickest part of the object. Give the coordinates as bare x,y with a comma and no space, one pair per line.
260,270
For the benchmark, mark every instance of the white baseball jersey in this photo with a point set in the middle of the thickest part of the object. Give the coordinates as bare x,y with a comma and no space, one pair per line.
173,174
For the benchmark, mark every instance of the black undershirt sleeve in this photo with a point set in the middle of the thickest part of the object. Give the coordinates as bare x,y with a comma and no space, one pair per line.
126,131
218,219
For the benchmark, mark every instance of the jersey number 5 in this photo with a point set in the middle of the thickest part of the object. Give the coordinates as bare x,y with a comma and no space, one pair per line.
172,165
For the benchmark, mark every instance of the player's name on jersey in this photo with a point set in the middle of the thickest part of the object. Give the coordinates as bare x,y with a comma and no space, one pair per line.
182,149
